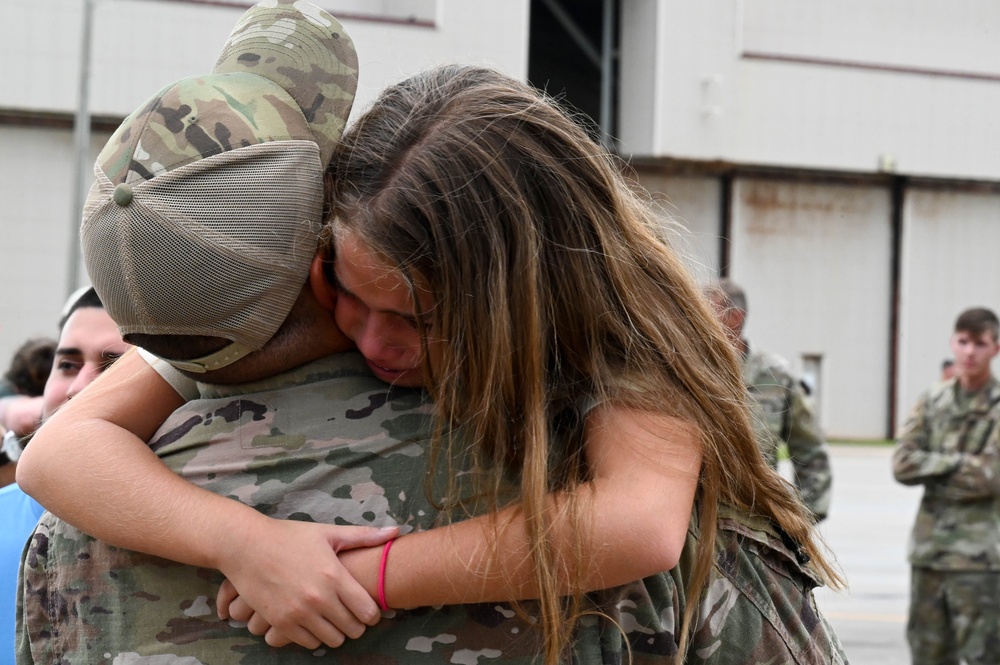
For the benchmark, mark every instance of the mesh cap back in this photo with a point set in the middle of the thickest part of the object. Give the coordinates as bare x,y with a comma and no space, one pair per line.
182,258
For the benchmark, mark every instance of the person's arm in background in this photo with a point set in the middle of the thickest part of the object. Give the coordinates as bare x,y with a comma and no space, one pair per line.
977,476
808,452
913,462
20,413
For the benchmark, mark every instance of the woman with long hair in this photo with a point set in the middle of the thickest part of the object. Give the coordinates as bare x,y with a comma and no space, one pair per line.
542,288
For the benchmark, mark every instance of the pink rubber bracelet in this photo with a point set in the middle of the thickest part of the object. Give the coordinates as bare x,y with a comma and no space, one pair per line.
381,575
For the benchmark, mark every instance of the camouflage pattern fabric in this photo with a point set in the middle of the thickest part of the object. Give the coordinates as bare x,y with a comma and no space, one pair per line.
326,442
938,598
288,71
758,608
949,444
783,413
308,53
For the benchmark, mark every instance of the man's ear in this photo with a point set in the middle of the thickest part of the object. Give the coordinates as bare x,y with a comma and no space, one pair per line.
322,289
739,319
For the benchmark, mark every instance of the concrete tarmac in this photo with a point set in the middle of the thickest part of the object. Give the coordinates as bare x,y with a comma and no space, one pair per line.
868,530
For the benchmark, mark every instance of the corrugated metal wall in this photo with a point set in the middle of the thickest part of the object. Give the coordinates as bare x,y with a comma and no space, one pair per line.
814,260
817,258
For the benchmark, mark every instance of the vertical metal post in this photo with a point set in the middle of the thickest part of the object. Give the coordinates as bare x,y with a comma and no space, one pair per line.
607,74
81,142
725,223
897,189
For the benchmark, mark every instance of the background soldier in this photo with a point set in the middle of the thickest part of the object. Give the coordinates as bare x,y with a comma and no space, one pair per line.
783,412
949,445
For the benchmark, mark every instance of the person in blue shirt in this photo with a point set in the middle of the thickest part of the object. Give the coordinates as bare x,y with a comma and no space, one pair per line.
88,344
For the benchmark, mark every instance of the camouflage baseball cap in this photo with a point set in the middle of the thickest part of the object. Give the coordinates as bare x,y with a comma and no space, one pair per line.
207,205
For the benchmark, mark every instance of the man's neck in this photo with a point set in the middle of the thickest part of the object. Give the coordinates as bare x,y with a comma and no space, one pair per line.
973,384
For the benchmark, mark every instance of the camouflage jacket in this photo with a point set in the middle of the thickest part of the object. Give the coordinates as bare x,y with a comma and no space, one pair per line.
783,413
325,442
758,607
949,444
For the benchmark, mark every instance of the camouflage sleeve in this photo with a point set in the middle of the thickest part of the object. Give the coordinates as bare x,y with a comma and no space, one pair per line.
759,607
913,462
809,454
978,473
33,615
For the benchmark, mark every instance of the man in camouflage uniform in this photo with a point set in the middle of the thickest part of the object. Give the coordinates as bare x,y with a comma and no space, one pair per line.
299,432
783,412
326,441
950,445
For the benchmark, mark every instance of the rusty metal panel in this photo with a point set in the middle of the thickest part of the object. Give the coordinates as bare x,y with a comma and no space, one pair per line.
815,262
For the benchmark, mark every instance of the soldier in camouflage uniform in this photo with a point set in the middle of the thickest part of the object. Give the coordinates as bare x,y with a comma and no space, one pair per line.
950,444
783,412
88,602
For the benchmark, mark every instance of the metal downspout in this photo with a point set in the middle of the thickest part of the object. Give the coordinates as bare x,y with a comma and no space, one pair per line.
81,142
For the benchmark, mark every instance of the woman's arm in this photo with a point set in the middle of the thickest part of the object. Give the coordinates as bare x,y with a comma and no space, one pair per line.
635,518
89,465
636,513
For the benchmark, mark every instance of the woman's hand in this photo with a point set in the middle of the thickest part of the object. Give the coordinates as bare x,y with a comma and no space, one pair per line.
288,575
256,623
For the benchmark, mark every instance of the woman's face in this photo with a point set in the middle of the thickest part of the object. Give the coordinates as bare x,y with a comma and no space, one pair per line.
376,311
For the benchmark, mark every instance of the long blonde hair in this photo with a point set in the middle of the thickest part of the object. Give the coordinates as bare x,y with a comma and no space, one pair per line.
552,287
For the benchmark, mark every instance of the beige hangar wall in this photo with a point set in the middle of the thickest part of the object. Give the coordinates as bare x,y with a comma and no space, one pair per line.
691,206
949,262
814,260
